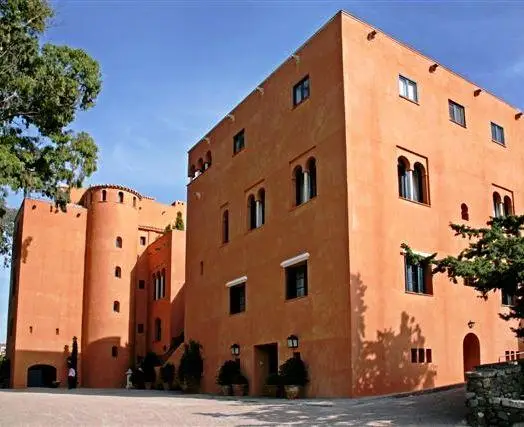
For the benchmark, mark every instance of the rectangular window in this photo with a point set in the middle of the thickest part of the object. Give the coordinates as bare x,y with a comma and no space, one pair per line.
468,281
418,278
507,299
296,281
497,133
142,240
407,88
507,354
140,328
237,299
141,284
301,91
457,113
238,142
421,355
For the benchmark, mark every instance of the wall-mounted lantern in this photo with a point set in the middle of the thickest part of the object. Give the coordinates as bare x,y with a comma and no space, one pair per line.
292,341
471,323
235,350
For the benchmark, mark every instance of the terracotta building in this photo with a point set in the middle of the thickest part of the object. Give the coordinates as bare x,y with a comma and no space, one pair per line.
105,271
354,145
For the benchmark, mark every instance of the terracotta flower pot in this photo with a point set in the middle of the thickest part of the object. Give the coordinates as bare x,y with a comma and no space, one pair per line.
226,390
270,390
240,389
292,391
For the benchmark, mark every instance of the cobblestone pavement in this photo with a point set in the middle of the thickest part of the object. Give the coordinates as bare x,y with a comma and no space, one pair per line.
135,407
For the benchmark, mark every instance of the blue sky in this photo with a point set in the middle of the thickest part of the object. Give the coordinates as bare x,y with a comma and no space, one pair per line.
172,69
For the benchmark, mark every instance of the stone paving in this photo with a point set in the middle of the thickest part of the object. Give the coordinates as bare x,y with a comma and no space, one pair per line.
135,407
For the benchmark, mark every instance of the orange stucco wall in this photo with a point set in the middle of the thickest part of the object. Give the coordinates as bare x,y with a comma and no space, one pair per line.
64,269
357,325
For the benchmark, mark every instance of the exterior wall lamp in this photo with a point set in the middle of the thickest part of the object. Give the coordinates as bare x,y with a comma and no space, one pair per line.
471,323
235,350
292,341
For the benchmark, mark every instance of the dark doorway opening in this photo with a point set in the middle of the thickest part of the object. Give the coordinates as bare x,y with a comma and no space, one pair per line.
266,363
41,376
471,352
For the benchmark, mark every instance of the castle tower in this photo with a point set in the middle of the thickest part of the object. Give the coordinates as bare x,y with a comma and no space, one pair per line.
108,311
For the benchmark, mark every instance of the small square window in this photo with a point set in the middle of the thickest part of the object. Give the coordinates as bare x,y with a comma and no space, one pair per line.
238,142
141,284
142,240
140,328
296,281
407,88
301,91
497,134
457,113
237,299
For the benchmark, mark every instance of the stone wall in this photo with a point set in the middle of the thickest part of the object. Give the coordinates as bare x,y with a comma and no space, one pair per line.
493,394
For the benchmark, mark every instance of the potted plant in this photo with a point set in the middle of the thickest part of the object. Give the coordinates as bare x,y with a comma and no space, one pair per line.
191,367
272,385
148,366
226,374
240,384
294,376
167,373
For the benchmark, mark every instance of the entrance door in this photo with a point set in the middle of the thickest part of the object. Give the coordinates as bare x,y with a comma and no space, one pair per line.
41,376
266,363
471,352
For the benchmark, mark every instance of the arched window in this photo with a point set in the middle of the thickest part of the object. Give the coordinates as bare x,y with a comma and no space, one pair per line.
225,226
120,197
311,178
200,165
404,186
118,242
155,287
134,202
163,284
158,329
114,351
508,206
251,209
208,160
118,272
498,208
298,178
260,205
116,306
419,183
104,195
192,171
464,213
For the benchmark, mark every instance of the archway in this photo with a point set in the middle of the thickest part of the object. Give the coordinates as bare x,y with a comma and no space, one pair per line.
41,376
471,352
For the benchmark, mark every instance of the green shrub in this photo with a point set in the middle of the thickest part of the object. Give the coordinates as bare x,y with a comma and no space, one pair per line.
191,364
273,379
227,372
167,373
294,372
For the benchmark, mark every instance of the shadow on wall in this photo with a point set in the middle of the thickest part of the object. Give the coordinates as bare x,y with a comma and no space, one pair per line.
25,248
384,365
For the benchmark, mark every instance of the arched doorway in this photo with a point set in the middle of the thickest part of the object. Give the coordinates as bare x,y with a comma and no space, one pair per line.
41,376
471,352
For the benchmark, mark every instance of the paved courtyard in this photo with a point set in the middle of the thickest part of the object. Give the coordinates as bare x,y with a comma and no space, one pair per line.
134,407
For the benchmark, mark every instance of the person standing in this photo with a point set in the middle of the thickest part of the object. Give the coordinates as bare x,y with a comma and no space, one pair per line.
71,376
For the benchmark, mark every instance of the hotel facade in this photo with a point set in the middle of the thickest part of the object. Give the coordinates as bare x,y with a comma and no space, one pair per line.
299,201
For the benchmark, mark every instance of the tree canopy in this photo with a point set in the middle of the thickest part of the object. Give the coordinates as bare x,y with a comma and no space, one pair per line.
493,260
42,87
